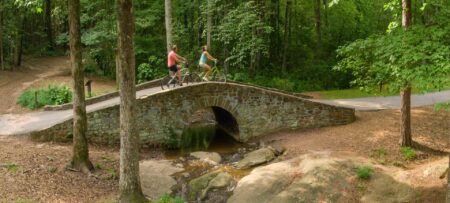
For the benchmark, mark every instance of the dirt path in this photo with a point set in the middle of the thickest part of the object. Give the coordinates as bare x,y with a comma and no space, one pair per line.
37,73
13,83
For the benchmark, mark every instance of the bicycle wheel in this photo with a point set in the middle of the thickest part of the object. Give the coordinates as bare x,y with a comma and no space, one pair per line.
219,76
192,78
165,82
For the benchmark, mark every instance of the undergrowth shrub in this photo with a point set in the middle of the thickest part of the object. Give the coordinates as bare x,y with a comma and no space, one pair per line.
51,95
168,199
408,153
364,172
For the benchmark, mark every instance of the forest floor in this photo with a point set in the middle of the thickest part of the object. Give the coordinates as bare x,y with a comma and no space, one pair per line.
34,172
38,73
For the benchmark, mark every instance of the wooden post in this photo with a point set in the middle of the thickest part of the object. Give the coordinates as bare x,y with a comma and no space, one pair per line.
89,88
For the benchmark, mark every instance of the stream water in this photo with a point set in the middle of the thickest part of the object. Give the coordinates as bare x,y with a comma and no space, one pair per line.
207,138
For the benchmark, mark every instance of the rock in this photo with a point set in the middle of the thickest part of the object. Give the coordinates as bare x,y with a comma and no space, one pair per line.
278,149
208,157
156,177
197,185
304,179
257,157
220,181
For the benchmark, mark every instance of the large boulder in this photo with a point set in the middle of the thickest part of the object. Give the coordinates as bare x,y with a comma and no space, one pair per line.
210,157
201,186
156,177
255,158
310,178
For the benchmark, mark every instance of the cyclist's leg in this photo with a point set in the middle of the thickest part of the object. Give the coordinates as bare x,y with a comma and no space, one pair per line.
207,70
179,75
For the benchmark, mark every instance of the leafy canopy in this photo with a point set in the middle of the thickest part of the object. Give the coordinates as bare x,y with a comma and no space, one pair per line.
418,56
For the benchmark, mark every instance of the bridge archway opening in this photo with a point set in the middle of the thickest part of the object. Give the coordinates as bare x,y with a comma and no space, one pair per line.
211,128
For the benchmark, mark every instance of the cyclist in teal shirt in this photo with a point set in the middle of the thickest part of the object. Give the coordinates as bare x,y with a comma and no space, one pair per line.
202,63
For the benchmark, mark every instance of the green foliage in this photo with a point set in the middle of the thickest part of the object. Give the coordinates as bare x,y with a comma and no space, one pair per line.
112,174
238,31
418,57
364,172
166,198
52,95
408,153
153,69
442,106
12,168
379,155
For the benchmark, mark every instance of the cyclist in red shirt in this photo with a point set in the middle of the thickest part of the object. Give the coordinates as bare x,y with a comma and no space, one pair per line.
172,60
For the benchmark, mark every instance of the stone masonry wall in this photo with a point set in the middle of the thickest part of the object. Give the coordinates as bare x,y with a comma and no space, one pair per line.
165,114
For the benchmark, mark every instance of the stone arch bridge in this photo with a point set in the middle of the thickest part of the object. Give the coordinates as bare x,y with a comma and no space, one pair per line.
246,111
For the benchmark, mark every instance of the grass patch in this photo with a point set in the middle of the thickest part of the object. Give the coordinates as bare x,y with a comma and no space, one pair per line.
112,174
408,153
379,155
364,172
51,95
12,168
168,199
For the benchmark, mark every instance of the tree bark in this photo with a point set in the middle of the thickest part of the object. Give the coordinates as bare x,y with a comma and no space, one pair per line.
405,129
48,22
168,16
129,183
286,35
209,24
274,36
2,65
80,158
318,23
405,94
406,13
18,45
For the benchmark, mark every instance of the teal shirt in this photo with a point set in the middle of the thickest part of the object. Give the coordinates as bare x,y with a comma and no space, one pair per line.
203,58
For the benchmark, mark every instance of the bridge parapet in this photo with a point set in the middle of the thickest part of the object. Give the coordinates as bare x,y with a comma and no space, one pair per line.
249,111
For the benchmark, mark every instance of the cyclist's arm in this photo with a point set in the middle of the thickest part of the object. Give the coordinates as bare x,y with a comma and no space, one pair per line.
210,57
181,59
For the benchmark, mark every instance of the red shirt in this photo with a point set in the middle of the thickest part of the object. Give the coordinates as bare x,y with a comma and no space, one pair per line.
171,59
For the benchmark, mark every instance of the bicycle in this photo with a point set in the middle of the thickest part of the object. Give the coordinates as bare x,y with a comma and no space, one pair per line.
186,77
216,74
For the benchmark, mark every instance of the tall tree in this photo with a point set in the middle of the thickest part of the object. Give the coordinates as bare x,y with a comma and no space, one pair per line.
80,159
405,94
168,17
48,22
318,22
286,42
209,23
129,183
2,65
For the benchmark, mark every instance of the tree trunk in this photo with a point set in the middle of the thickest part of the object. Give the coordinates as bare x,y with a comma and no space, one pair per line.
18,49
286,35
168,10
129,183
48,22
406,13
274,36
200,25
405,128
209,24
318,23
2,65
325,5
80,159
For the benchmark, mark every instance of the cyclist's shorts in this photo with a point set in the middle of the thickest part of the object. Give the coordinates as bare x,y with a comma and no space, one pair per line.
202,65
174,68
